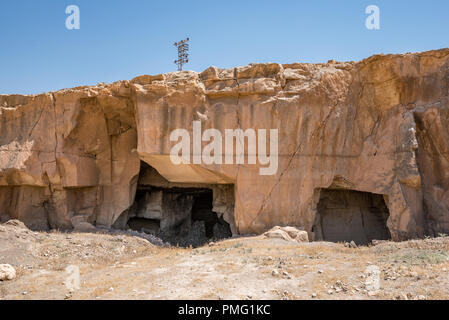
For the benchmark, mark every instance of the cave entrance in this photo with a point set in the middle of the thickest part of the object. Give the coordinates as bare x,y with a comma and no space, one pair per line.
346,215
180,214
215,225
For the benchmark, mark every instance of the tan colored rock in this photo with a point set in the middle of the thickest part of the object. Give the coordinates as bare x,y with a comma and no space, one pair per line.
376,126
16,223
288,234
7,272
81,225
296,234
278,234
84,227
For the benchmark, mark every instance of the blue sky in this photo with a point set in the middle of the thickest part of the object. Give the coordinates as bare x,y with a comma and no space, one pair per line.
122,39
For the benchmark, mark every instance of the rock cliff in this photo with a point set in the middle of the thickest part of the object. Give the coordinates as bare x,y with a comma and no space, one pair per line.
378,126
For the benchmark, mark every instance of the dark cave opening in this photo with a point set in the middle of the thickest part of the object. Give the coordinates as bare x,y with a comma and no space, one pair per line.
151,226
202,211
347,215
180,214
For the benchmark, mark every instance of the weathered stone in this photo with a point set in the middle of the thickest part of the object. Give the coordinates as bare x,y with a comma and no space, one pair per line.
287,234
377,126
151,206
7,272
16,223
84,227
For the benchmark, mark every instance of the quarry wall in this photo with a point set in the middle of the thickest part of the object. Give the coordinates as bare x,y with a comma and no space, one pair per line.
377,126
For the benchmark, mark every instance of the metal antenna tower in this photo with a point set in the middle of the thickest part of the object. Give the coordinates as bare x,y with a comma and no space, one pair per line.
183,53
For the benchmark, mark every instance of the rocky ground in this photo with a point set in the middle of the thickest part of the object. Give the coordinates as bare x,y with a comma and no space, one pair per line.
123,266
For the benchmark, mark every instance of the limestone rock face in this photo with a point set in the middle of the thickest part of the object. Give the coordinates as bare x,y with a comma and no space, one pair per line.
377,126
67,154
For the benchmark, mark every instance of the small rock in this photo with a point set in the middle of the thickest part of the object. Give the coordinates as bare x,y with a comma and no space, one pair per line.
320,271
275,273
287,233
7,272
330,292
373,293
81,225
352,244
313,295
16,223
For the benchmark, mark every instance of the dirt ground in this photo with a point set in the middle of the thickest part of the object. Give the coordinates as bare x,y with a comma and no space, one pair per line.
129,267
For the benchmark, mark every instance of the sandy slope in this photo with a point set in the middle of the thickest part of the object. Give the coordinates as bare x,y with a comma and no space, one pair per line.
126,267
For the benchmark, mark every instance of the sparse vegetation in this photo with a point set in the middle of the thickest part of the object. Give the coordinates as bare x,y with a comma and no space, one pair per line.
242,268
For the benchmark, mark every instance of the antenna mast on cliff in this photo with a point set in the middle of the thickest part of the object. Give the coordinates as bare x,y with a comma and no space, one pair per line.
183,53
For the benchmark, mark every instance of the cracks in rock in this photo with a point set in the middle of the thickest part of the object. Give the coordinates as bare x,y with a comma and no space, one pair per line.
290,161
37,121
41,151
373,129
242,141
422,130
53,99
111,152
49,204
50,185
447,80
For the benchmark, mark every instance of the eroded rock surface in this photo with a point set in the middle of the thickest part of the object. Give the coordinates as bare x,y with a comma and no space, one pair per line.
288,234
378,126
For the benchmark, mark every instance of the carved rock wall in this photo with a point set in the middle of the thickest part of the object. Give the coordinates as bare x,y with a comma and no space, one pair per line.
378,126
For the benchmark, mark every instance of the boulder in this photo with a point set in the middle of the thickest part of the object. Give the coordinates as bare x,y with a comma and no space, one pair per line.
7,272
16,223
291,234
85,227
81,225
